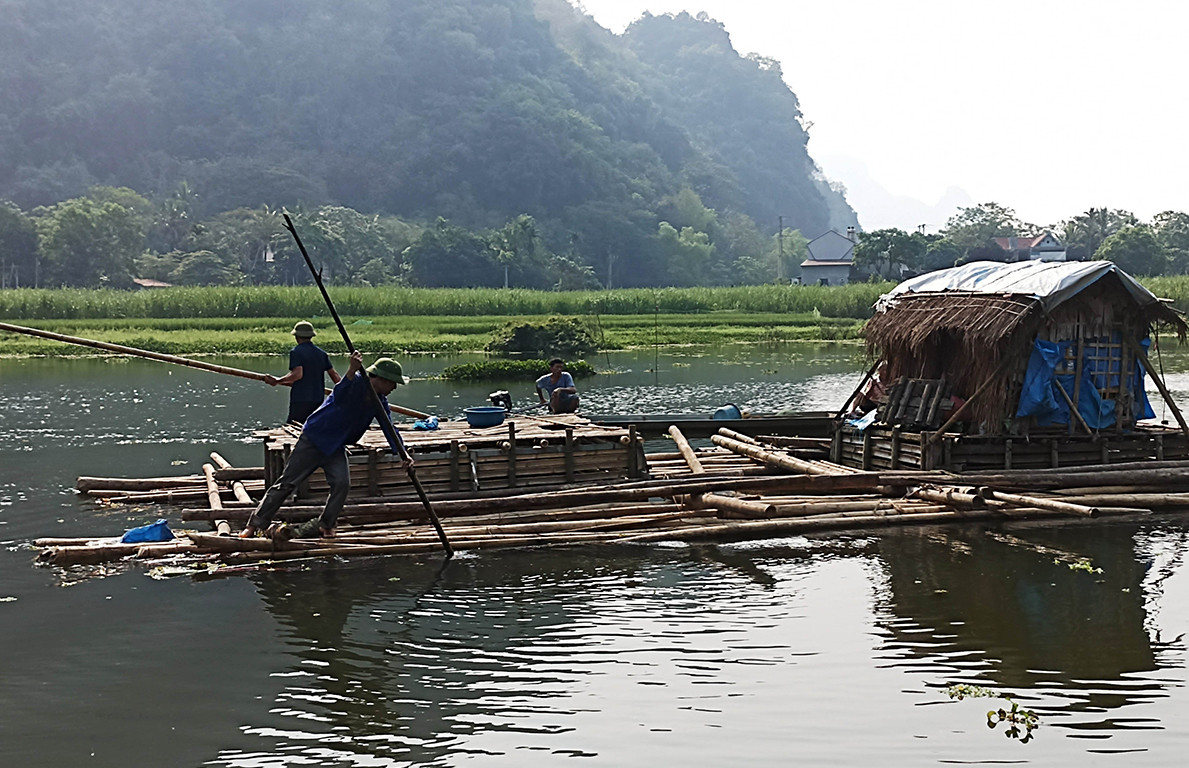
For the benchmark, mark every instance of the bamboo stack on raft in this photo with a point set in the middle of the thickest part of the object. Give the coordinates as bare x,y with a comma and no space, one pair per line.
525,450
713,499
231,483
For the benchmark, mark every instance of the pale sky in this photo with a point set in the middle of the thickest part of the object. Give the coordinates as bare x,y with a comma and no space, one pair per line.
1048,107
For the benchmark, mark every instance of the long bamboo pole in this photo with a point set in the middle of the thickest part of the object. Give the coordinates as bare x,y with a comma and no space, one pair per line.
164,358
394,440
1159,382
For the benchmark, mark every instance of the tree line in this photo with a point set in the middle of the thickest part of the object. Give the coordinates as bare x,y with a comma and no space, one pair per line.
113,236
1143,248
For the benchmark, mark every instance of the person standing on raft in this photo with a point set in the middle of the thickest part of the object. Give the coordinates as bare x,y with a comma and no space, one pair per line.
340,421
307,363
558,384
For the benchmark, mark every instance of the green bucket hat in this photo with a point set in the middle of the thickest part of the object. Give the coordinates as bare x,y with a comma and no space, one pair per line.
304,330
387,368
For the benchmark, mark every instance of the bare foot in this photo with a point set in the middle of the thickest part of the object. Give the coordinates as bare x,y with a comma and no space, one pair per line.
249,532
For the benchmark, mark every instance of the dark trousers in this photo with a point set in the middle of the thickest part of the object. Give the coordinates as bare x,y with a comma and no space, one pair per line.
300,410
304,459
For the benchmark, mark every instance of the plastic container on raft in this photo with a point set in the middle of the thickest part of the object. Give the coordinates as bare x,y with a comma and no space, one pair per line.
485,415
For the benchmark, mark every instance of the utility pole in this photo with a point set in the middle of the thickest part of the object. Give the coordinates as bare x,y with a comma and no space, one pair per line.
780,249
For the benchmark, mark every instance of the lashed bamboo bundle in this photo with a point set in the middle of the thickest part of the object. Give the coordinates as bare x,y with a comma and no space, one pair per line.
693,494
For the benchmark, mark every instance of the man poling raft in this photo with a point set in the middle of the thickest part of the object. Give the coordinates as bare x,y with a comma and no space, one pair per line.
340,421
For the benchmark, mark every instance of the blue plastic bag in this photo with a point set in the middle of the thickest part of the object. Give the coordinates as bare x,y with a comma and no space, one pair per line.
158,531
427,424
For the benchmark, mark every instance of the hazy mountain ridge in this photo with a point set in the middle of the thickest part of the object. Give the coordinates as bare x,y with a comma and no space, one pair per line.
474,110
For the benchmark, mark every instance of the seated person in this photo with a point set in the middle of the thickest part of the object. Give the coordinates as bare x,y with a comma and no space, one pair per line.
559,386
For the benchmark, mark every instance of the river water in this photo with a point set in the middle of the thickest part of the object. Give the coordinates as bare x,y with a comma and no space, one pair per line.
816,651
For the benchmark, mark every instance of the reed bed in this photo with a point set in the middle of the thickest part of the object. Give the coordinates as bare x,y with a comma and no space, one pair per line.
852,301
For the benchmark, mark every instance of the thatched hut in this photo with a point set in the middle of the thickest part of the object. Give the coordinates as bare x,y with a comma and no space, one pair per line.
1024,349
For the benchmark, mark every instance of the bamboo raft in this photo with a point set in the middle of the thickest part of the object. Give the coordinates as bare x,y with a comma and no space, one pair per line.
739,488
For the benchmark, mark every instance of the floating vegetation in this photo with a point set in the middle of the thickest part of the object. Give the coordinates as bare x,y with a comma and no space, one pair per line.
1081,564
1020,722
490,370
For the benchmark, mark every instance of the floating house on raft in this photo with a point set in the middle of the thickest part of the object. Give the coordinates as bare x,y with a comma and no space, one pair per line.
1000,366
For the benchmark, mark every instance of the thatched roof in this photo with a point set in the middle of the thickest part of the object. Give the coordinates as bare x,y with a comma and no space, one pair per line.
963,323
986,304
977,321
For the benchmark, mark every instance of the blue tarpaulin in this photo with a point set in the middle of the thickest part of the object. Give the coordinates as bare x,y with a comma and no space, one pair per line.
1041,398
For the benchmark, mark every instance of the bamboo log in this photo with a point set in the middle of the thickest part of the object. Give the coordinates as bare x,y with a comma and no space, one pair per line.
1039,479
212,488
1040,503
629,491
1073,409
1151,500
687,452
94,554
731,505
955,497
733,435
230,474
769,458
85,484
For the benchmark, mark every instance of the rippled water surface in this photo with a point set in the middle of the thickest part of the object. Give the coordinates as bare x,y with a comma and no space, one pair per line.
832,650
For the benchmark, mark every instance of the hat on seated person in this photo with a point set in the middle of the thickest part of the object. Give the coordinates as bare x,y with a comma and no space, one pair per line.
387,368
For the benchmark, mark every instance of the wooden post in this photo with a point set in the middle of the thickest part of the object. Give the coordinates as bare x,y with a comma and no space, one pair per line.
569,456
373,472
1147,366
867,448
633,452
895,447
1077,381
511,454
454,473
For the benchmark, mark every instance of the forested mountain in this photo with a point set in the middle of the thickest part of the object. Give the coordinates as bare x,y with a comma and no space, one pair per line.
474,111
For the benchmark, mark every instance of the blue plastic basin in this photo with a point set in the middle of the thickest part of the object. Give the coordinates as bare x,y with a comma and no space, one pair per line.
485,415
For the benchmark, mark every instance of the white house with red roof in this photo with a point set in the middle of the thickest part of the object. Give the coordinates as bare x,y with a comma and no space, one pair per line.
1042,247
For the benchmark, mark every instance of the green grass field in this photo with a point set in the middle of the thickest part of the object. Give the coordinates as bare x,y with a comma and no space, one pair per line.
195,321
403,334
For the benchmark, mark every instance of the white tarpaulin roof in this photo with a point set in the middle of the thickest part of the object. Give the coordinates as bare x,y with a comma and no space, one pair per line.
1052,282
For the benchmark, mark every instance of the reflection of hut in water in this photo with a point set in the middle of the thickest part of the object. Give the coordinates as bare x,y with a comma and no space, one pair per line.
994,365
1004,608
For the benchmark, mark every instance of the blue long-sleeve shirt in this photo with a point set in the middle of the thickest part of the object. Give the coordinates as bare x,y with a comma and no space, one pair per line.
344,416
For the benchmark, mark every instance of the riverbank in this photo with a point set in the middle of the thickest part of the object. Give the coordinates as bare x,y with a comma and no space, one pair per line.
402,334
